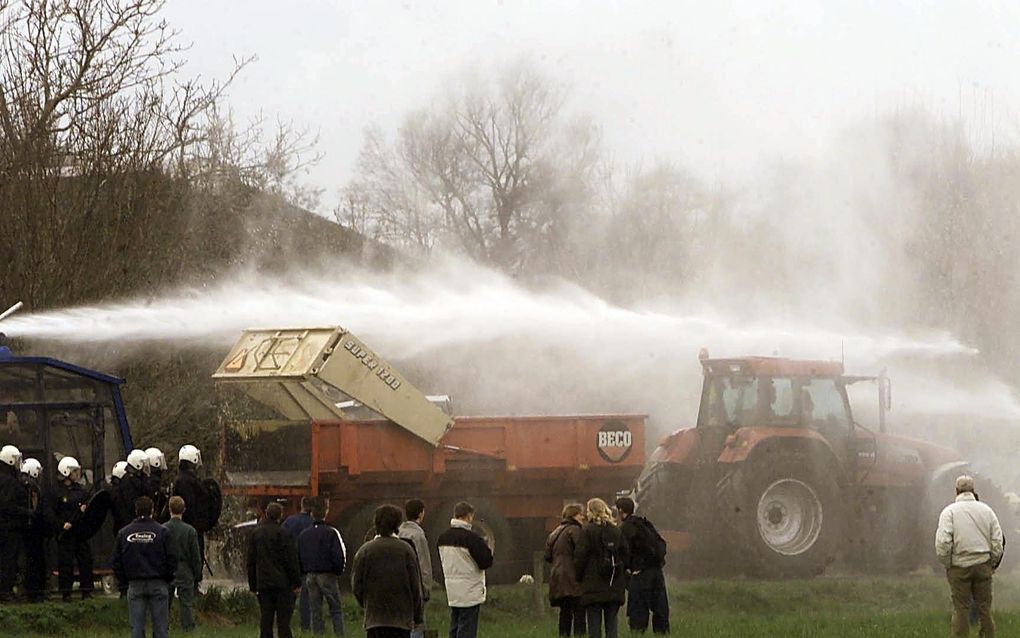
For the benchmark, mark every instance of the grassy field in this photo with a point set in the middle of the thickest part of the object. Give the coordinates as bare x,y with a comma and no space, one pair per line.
824,608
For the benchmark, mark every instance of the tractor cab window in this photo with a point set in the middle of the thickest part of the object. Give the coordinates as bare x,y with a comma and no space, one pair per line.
822,405
778,401
824,408
729,401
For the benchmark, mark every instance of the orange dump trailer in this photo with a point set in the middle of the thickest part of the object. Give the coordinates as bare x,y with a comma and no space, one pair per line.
518,472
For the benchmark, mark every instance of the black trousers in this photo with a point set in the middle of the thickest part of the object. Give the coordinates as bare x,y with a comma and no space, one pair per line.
599,612
10,553
276,605
572,617
35,566
71,550
646,596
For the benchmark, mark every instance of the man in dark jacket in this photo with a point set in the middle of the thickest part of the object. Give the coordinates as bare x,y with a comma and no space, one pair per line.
295,524
184,540
386,580
646,594
15,517
144,559
273,572
36,534
411,530
321,554
64,511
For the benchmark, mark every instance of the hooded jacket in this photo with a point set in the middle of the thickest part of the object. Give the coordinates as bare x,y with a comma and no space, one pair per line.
465,557
559,550
596,586
968,534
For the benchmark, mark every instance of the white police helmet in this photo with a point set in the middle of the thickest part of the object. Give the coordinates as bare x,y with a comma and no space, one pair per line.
67,465
119,469
11,456
156,459
138,460
191,454
32,467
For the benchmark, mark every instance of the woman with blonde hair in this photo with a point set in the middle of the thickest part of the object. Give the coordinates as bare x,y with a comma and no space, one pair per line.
599,560
564,591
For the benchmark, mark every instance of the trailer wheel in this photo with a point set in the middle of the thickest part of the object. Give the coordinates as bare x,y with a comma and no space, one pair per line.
788,516
491,525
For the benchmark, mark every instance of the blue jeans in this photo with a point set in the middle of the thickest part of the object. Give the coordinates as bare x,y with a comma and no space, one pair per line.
464,621
319,586
186,596
149,597
304,611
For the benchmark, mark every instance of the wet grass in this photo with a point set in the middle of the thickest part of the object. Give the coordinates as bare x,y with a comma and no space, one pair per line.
825,608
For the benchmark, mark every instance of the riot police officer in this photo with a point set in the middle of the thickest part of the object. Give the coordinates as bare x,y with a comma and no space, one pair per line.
68,503
117,473
159,491
133,485
35,536
188,486
15,516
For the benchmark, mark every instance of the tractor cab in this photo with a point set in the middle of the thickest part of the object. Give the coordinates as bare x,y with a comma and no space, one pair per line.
766,392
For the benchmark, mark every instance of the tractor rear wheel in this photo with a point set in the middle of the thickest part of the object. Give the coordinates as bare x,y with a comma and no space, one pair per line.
787,515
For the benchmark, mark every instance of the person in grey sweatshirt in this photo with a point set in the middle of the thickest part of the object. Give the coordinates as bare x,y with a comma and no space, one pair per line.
411,530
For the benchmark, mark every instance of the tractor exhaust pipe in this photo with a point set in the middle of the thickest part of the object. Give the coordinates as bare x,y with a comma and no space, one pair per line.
10,311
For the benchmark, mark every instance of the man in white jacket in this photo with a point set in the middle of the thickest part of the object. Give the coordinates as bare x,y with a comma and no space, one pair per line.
465,557
969,543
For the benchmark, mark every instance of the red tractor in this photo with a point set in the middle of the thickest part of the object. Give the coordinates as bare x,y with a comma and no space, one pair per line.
778,479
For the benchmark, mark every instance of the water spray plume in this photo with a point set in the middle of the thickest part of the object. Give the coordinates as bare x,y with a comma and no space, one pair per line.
463,326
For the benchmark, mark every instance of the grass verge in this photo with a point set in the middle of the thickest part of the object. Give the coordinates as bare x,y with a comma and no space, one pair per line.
823,608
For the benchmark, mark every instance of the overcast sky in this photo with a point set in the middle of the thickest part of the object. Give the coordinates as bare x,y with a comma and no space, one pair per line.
721,86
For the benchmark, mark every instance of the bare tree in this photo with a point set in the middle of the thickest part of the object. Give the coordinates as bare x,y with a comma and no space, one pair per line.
104,141
492,172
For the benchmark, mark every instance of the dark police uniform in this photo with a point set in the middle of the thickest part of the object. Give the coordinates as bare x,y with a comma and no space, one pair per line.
15,516
35,543
188,486
65,507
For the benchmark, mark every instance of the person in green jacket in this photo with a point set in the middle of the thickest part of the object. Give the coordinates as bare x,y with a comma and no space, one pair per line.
184,540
